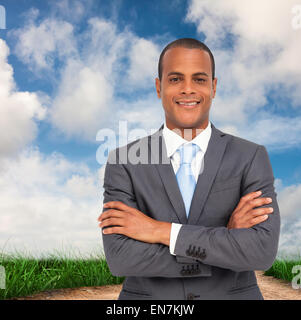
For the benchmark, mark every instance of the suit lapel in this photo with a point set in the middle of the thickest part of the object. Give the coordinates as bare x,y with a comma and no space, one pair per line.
163,165
212,161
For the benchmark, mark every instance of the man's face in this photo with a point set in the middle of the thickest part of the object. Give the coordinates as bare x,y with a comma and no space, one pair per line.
186,88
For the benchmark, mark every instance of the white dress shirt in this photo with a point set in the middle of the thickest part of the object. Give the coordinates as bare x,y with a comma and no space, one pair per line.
173,141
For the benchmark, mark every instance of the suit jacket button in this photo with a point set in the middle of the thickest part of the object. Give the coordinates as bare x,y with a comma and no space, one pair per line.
194,270
202,255
190,296
188,251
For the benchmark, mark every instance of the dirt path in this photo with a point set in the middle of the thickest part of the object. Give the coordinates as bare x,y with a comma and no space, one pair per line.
271,288
275,289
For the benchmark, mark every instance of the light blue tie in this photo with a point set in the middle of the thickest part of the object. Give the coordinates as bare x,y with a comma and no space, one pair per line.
185,178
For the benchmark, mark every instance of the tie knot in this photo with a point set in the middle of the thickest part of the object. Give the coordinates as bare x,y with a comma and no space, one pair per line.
188,152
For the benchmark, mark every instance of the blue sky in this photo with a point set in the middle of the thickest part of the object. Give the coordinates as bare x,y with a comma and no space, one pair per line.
71,68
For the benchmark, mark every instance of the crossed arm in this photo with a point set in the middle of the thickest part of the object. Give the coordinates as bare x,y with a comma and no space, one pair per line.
125,255
249,242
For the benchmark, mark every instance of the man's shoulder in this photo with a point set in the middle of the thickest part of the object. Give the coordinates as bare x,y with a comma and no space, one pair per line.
242,142
239,144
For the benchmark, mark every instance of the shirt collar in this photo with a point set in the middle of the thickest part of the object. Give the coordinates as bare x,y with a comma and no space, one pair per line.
173,141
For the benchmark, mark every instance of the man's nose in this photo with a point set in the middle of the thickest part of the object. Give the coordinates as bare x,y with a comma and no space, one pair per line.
187,87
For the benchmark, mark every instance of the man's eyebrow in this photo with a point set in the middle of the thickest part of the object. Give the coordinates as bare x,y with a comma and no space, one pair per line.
174,73
201,74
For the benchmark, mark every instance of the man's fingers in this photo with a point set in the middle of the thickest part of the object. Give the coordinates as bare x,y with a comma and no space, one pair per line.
261,211
112,222
259,219
116,205
111,213
247,197
253,203
120,230
245,216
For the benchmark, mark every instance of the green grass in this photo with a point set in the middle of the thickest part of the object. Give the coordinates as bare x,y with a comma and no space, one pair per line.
282,269
26,275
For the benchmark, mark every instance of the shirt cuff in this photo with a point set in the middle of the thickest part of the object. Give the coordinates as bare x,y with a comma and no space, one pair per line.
175,228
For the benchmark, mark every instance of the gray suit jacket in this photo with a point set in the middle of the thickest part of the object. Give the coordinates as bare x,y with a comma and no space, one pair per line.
211,262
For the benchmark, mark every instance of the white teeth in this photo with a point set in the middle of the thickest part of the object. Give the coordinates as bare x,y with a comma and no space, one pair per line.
188,104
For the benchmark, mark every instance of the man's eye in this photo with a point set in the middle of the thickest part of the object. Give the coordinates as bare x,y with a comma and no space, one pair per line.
175,79
200,80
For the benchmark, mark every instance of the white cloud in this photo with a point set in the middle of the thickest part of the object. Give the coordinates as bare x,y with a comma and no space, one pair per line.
73,10
96,65
289,200
274,131
47,202
146,112
144,57
32,48
83,101
272,23
19,110
264,57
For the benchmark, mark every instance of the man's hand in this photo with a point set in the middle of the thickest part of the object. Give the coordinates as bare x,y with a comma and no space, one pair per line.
133,223
244,216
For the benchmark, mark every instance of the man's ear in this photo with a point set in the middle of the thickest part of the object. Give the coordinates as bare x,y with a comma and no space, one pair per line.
158,87
214,84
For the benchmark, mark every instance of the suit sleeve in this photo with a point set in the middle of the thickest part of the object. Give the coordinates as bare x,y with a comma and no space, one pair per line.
126,256
244,249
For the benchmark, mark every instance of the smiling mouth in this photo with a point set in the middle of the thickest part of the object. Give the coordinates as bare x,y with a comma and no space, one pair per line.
188,104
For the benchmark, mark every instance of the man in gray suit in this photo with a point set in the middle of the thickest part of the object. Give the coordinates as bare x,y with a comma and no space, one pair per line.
197,213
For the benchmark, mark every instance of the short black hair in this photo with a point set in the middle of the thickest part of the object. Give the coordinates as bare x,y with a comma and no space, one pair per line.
188,43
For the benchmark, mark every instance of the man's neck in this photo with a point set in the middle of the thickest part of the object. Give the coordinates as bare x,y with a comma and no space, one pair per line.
187,133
